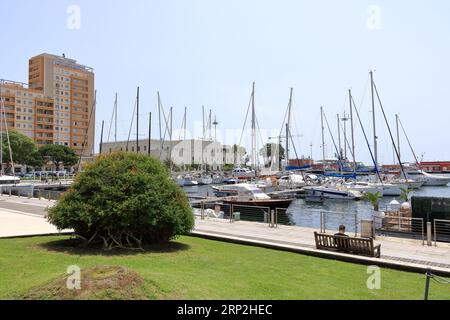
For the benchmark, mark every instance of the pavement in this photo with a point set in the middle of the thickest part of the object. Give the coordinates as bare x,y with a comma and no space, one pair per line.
21,217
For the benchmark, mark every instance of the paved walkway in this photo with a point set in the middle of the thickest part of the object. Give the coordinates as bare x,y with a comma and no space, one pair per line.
21,216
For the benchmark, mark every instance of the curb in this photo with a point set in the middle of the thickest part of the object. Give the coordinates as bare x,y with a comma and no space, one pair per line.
38,235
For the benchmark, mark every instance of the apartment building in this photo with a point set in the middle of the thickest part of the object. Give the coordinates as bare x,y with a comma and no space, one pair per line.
55,106
27,111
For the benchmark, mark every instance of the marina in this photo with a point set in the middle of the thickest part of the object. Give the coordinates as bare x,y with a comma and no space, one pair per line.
305,213
216,151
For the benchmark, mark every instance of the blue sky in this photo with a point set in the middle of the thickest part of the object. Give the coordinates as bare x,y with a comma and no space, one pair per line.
209,53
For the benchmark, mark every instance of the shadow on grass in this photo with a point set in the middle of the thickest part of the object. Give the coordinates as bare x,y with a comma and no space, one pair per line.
75,246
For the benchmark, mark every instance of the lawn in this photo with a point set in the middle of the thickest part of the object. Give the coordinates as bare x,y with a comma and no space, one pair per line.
193,268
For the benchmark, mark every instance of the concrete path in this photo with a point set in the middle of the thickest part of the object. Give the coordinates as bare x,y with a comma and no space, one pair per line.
24,217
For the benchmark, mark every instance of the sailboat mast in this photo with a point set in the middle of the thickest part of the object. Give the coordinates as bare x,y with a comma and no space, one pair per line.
390,133
345,119
288,126
203,120
253,128
375,143
398,137
137,121
287,144
159,121
149,132
115,119
170,137
323,134
185,124
352,129
209,125
339,136
101,138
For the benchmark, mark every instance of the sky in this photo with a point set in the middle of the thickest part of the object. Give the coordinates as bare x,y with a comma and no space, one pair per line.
208,52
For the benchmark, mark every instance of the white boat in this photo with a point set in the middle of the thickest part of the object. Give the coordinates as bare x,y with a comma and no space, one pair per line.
365,187
393,190
332,192
204,180
243,173
246,194
9,180
428,179
387,189
409,183
291,181
186,181
217,179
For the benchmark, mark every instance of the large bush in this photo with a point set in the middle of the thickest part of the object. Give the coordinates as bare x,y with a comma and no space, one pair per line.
124,200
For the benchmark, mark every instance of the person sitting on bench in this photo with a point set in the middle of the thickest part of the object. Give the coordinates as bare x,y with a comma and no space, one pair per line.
342,241
341,231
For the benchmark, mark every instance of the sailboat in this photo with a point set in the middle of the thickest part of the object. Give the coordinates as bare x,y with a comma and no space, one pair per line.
388,189
5,179
418,175
428,179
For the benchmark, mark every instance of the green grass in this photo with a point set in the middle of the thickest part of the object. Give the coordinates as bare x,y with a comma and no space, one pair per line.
193,268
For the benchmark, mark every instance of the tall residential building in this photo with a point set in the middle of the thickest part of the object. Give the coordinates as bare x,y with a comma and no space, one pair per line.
55,106
27,111
72,88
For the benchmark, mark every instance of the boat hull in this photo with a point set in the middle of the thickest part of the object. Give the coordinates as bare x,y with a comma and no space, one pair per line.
330,194
270,203
392,190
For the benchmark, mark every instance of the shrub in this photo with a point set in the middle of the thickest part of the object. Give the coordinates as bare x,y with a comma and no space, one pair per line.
124,200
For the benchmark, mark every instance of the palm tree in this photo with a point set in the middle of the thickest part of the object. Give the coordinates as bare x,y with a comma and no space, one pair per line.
405,194
373,198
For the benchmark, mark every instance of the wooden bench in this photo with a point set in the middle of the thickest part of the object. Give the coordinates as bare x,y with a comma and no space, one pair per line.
359,246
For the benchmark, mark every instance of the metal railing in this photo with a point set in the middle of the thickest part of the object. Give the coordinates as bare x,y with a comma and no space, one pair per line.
331,220
283,217
391,224
317,219
441,230
28,192
250,213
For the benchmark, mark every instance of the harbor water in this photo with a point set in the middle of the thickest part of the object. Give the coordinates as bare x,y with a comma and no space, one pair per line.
305,214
